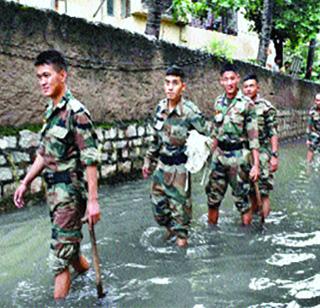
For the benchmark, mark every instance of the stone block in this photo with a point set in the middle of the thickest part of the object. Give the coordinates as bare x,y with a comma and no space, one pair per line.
141,131
36,185
131,131
149,129
125,167
28,139
19,157
108,170
107,145
121,134
6,174
111,133
9,189
125,153
104,157
8,142
137,142
114,156
100,135
3,160
121,144
137,164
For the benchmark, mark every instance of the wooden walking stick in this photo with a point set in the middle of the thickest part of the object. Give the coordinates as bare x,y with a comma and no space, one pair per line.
258,195
259,200
96,262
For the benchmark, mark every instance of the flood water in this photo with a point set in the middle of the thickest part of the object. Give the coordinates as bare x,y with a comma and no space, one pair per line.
276,265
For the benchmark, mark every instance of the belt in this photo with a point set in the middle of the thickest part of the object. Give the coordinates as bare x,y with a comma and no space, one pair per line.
52,178
224,146
174,160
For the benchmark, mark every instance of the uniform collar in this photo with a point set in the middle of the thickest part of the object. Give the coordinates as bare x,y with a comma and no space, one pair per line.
177,109
64,100
238,96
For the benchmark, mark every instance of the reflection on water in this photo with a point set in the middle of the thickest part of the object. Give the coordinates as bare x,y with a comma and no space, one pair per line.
275,265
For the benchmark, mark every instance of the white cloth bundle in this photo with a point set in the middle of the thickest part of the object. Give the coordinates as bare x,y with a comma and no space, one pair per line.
198,150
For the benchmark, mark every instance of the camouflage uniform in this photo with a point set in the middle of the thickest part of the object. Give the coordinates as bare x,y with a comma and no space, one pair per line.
236,130
68,143
169,190
313,129
267,123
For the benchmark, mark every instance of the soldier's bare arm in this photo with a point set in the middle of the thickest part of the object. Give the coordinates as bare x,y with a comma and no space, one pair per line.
93,208
34,171
255,170
274,161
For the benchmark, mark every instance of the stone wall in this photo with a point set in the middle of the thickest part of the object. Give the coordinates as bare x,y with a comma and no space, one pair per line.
122,151
117,74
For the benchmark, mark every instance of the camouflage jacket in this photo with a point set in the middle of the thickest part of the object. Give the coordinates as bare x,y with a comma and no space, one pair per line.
170,129
68,140
235,121
267,122
313,128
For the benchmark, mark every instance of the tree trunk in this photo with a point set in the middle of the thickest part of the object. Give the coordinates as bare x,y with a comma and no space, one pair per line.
265,31
278,45
312,47
154,18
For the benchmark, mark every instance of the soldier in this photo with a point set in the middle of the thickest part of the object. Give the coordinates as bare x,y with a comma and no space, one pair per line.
235,138
68,146
313,129
174,118
268,139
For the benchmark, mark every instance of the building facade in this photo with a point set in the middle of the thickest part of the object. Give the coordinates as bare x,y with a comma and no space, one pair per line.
132,16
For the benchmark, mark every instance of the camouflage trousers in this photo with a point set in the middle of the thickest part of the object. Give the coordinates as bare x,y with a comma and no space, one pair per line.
229,167
169,197
67,204
266,177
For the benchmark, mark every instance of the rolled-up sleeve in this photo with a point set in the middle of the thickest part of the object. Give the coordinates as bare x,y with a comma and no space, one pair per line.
252,127
86,139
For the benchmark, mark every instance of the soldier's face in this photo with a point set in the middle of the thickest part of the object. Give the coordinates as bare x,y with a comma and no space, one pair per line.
229,81
173,87
250,88
317,100
51,81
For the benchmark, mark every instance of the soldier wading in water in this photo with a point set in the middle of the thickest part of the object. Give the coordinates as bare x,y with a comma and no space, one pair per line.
235,138
174,118
68,147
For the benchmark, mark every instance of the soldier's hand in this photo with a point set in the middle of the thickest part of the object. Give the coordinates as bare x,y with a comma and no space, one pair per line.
254,173
274,163
145,172
18,195
93,212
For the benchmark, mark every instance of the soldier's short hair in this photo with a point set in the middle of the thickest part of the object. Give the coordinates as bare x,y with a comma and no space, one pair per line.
175,70
52,57
251,76
228,67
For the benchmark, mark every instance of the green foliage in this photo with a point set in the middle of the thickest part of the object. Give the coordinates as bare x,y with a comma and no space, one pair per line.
221,49
14,131
292,50
297,21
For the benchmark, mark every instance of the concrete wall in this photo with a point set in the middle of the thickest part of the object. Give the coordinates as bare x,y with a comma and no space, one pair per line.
117,74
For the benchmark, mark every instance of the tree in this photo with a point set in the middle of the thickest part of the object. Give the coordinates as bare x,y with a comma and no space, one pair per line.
311,51
154,18
266,29
297,21
155,10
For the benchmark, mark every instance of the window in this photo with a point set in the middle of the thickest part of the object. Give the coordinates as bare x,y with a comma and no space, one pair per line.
59,7
110,11
125,8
